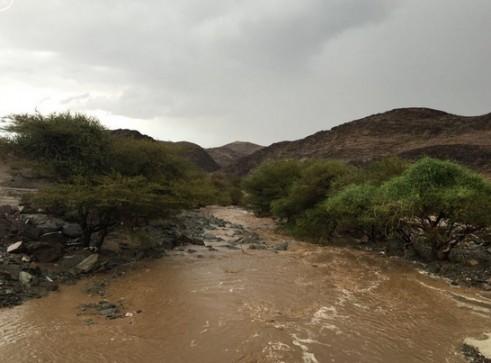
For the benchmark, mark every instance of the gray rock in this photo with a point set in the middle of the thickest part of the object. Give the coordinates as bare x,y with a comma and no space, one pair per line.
53,237
281,247
257,247
109,313
12,270
43,222
229,246
433,267
197,242
486,287
88,264
182,239
45,251
72,230
190,250
25,277
30,232
209,235
16,247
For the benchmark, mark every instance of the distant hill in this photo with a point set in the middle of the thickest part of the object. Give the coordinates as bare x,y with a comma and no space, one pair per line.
407,132
193,152
230,153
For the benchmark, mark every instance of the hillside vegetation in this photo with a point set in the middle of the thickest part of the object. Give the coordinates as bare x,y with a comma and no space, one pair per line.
101,179
429,206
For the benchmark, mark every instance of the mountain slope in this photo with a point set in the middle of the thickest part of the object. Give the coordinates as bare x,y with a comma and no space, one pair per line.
193,152
228,154
408,132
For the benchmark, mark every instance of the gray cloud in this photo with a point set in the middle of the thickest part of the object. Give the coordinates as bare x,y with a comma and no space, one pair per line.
262,70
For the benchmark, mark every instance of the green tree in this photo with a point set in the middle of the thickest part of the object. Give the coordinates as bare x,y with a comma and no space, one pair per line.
65,144
317,180
103,203
152,159
384,169
442,203
270,182
363,209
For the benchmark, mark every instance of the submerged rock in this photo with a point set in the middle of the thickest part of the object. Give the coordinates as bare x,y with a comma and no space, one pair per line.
281,247
88,264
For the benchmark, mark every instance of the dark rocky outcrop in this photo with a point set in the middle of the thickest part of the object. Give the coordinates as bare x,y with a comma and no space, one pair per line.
408,132
196,154
228,154
193,152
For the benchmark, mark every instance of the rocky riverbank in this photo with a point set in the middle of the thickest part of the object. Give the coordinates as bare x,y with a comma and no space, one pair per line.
38,252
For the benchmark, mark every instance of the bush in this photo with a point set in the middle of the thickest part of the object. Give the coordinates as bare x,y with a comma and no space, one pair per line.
445,200
270,182
64,144
317,180
101,204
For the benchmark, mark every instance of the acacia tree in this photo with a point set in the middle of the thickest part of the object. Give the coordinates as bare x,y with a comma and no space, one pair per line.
65,144
101,204
442,203
270,182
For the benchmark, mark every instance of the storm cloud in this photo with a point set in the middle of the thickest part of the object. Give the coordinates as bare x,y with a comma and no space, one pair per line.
259,70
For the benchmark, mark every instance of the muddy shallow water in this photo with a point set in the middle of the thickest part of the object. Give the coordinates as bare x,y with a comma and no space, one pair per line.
308,304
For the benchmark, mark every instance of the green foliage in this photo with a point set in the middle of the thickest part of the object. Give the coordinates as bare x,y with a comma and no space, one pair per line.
445,200
363,209
270,182
317,180
436,187
314,224
152,159
104,202
106,180
384,169
227,191
65,144
431,202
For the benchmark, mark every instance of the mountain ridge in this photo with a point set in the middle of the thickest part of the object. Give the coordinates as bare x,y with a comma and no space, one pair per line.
406,132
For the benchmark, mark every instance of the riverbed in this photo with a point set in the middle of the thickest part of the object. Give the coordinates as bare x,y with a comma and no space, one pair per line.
307,304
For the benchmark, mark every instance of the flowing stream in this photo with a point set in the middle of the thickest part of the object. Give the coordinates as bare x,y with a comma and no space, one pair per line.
307,304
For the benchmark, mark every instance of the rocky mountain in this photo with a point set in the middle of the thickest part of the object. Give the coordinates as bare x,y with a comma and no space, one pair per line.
407,132
228,154
193,152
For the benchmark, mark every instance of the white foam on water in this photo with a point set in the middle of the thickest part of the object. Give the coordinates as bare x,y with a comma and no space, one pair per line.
307,356
325,317
483,345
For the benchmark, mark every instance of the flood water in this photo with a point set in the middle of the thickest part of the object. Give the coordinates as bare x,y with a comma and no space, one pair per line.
308,304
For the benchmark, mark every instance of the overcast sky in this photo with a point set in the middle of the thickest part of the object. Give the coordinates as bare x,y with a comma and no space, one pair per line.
217,71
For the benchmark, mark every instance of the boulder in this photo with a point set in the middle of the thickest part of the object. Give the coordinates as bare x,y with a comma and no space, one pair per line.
43,222
72,230
281,247
472,262
209,236
183,239
11,270
29,232
44,251
257,247
25,277
17,247
433,267
88,264
53,237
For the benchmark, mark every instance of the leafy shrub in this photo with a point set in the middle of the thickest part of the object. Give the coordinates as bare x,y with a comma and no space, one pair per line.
270,182
65,144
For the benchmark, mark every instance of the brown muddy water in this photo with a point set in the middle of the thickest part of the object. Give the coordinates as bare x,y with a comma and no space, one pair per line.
308,304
